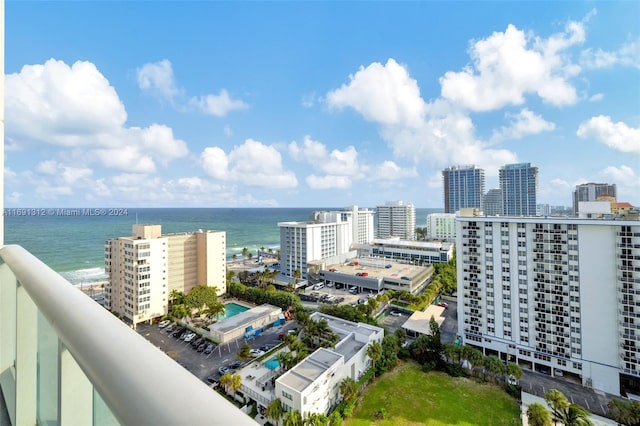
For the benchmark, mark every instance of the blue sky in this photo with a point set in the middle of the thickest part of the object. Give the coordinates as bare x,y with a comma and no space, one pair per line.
260,104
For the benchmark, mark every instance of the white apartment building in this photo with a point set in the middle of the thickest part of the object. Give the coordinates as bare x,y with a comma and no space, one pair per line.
145,267
553,294
441,226
313,385
328,236
396,219
422,252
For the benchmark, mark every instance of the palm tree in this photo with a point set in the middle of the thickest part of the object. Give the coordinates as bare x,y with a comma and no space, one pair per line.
234,257
245,251
335,419
575,415
374,351
245,352
215,310
558,403
494,366
538,415
316,419
231,382
296,277
348,389
275,410
179,311
293,418
474,356
176,297
514,370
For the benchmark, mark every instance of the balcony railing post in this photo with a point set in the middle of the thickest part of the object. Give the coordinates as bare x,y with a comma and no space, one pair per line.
26,358
76,392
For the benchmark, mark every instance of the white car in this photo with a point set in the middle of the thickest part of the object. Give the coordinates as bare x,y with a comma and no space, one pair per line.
256,353
164,323
396,313
189,337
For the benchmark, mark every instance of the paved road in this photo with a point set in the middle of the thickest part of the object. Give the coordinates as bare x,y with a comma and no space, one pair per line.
200,364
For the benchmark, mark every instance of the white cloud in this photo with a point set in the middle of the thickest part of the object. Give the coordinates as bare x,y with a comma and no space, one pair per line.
627,182
507,66
158,78
75,107
309,100
218,105
328,182
60,104
385,94
597,97
310,151
228,132
252,163
618,135
389,170
628,55
522,124
215,163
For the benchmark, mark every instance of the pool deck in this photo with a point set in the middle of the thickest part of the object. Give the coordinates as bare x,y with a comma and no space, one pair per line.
256,380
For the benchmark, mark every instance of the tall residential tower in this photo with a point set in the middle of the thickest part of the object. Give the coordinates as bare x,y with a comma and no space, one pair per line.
463,188
396,219
519,188
591,192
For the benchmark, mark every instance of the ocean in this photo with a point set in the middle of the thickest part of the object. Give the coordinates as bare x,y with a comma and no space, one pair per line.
74,245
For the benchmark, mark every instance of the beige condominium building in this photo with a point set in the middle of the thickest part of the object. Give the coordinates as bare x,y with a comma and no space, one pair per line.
147,266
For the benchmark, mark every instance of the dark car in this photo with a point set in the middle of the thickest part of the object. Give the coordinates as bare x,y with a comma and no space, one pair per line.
202,347
209,348
266,348
197,342
235,364
178,332
211,379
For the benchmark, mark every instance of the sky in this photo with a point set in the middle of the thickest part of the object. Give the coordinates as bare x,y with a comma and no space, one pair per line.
314,104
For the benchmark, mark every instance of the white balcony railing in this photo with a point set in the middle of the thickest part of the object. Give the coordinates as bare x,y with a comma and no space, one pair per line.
66,360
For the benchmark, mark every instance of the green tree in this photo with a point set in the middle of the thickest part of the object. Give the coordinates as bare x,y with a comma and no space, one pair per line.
401,335
374,351
348,389
474,357
214,311
245,352
200,297
626,413
296,277
179,311
558,403
293,418
275,410
245,251
538,415
232,382
494,366
176,297
514,370
335,419
575,415
316,419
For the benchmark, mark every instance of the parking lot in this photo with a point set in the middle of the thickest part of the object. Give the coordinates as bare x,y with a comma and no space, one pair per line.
204,365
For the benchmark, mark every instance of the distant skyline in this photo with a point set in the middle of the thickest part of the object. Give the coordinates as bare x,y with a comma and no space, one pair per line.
301,104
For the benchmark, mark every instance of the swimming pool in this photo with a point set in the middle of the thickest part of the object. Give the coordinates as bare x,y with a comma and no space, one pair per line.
272,363
232,309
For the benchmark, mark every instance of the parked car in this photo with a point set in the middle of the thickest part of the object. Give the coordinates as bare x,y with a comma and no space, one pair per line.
170,328
443,304
396,313
202,347
164,323
266,348
318,286
209,348
256,353
223,370
197,342
188,336
353,290
178,332
558,373
235,364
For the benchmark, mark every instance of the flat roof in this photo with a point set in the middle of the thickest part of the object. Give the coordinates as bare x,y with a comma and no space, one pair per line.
309,369
244,318
419,320
376,268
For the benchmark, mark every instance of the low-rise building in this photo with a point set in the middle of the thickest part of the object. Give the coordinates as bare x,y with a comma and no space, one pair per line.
420,252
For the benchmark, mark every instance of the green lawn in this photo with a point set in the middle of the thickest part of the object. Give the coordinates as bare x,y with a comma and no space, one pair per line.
412,397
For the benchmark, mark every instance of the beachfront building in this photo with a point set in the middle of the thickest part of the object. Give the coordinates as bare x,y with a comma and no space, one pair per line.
519,188
441,226
144,269
396,219
463,188
554,294
591,192
360,221
419,252
313,385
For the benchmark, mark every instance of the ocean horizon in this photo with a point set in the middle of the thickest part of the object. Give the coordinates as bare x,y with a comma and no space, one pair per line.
73,244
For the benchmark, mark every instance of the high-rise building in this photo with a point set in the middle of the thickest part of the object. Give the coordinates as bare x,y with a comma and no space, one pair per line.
361,223
396,219
519,187
493,202
441,226
327,236
591,192
463,188
146,267
558,295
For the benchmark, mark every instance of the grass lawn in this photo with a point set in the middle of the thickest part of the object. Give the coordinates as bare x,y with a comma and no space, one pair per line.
412,397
